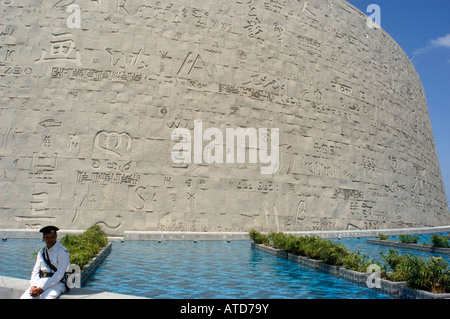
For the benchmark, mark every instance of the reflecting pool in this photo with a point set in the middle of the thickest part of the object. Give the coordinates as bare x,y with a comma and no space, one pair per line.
214,269
373,250
207,269
16,257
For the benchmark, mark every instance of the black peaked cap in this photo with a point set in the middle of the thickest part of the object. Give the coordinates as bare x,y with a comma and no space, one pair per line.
49,229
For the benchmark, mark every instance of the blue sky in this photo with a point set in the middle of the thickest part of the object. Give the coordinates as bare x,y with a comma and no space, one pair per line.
422,29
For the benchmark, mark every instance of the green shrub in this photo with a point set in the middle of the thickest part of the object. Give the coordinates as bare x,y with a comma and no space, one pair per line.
357,261
84,247
277,240
397,267
284,242
259,238
439,241
255,236
382,236
392,259
332,253
434,276
431,275
408,239
308,246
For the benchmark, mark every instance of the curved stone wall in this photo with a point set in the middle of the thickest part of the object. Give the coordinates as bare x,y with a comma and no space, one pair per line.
210,116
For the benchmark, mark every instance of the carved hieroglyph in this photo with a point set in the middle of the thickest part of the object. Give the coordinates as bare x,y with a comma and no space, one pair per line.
88,109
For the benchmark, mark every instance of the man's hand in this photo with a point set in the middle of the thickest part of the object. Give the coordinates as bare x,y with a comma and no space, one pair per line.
36,291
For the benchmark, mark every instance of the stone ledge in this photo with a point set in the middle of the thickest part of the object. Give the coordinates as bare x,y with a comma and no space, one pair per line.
391,288
394,243
411,293
158,235
311,263
13,288
372,232
329,269
83,293
353,276
174,235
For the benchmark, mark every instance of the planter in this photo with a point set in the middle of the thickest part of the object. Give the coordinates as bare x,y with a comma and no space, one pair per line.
394,243
271,250
89,269
353,276
293,257
329,269
305,261
411,293
391,288
282,254
395,289
387,287
311,263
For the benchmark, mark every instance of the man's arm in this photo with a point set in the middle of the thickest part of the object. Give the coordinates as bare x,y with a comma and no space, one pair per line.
35,272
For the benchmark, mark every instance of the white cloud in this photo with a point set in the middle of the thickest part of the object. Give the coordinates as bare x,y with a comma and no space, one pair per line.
442,42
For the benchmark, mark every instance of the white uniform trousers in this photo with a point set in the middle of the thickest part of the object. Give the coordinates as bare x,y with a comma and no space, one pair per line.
51,293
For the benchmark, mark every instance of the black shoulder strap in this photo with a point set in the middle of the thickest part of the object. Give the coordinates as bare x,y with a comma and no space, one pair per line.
47,260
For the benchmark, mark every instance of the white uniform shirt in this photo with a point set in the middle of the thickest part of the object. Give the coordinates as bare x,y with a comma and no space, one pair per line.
59,257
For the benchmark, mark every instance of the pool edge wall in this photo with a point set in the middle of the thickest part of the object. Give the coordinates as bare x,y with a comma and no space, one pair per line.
172,235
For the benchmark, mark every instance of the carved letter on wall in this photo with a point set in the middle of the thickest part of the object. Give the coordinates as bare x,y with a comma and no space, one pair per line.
113,142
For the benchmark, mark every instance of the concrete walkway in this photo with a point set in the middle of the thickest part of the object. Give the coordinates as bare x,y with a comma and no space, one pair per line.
173,235
13,288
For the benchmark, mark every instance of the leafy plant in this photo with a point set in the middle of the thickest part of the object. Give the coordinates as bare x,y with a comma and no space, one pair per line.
398,267
332,253
84,247
392,259
408,239
382,236
255,236
259,238
439,241
309,246
357,261
434,276
431,275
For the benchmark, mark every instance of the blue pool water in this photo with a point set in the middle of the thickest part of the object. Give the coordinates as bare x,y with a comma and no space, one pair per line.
206,269
214,269
16,257
373,250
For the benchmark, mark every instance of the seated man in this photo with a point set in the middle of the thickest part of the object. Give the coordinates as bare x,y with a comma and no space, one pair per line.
48,275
